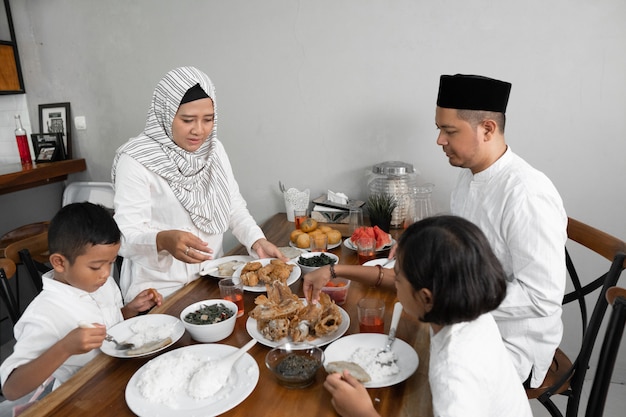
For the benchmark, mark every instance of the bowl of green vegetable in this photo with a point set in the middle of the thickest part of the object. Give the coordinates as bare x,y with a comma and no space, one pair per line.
310,261
210,321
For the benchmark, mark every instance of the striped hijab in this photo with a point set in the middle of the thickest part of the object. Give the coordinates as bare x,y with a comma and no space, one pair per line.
198,179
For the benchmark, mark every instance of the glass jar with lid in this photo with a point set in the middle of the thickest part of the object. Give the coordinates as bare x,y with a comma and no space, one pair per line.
397,179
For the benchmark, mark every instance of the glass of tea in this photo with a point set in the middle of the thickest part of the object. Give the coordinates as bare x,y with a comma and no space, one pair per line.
366,249
299,215
371,313
233,291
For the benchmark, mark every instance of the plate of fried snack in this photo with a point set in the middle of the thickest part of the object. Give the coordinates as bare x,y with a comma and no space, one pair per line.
281,316
255,275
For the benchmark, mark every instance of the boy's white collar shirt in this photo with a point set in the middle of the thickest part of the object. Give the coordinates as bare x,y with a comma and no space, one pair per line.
53,314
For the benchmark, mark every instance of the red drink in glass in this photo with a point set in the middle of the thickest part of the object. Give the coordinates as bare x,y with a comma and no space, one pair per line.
371,324
366,256
237,299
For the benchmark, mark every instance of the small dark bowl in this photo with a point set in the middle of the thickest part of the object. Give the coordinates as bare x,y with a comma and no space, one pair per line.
295,364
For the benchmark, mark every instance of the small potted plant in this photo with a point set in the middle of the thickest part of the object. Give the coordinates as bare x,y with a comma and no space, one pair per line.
380,207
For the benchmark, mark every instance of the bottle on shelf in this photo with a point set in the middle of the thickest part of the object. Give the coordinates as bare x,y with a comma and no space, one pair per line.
22,142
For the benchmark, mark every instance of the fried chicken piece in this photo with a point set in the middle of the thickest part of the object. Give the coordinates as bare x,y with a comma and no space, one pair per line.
265,274
274,329
251,266
250,279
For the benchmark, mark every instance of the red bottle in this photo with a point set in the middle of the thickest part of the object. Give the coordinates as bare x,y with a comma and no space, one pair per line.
22,142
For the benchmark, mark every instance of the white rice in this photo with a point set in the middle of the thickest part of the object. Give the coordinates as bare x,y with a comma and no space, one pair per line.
145,333
168,377
378,366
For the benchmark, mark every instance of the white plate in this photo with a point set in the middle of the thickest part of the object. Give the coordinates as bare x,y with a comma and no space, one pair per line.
381,261
348,244
320,341
241,383
122,332
342,349
208,266
333,246
293,277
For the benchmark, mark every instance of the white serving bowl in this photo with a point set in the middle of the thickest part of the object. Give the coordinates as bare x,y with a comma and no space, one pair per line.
209,333
305,269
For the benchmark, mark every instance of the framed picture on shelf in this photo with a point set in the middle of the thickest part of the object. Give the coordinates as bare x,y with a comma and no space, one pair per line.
55,118
48,147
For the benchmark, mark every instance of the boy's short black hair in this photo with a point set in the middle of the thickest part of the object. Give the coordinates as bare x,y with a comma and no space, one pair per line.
452,258
79,225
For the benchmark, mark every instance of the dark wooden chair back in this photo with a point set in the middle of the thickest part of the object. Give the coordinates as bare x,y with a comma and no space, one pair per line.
7,271
33,253
615,296
565,376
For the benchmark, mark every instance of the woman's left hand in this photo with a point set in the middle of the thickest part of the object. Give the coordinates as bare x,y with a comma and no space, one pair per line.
266,249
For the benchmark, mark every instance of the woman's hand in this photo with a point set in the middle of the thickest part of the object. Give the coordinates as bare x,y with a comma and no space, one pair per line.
266,249
313,283
184,246
145,300
350,398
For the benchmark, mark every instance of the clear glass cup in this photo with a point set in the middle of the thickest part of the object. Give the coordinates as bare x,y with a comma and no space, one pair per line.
232,290
355,220
371,314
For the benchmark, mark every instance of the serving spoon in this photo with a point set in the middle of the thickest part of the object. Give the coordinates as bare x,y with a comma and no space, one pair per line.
118,345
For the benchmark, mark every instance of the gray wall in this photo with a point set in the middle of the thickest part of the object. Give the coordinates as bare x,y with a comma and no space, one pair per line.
315,92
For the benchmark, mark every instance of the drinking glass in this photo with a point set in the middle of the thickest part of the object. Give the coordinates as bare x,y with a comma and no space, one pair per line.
365,249
355,220
233,291
371,313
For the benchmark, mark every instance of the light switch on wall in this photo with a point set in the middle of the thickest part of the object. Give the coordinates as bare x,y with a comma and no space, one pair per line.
80,122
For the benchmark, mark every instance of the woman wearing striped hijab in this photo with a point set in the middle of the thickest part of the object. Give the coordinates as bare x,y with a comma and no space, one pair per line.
175,192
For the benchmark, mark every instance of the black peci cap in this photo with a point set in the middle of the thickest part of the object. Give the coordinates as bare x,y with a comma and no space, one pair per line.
473,92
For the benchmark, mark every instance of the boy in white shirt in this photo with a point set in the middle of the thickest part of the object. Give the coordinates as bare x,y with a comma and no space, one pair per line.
83,240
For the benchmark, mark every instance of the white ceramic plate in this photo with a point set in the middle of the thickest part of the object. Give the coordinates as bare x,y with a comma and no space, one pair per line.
241,382
123,331
348,244
208,267
333,246
293,277
342,349
381,261
319,342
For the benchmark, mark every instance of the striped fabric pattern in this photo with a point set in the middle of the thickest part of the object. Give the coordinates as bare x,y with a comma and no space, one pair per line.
197,179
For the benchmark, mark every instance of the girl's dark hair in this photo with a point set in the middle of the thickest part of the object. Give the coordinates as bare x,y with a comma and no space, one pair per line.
79,225
451,257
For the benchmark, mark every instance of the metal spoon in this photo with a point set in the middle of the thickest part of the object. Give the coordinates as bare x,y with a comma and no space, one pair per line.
108,337
395,318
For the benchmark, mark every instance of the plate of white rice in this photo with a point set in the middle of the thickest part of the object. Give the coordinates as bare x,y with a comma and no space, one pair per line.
165,386
384,370
141,330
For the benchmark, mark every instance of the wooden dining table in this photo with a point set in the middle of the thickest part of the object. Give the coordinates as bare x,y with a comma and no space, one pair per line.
99,387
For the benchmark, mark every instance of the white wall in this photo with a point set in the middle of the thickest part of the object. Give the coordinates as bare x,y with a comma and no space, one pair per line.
343,84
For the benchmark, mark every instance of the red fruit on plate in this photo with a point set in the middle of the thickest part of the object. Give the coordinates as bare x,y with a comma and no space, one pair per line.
382,238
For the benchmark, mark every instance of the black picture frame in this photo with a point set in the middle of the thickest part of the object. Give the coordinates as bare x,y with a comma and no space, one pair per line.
48,147
56,118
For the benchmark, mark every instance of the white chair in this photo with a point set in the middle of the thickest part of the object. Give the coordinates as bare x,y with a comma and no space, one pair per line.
94,192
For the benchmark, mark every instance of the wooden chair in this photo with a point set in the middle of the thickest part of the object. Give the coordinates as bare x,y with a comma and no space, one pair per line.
564,376
615,296
7,271
33,253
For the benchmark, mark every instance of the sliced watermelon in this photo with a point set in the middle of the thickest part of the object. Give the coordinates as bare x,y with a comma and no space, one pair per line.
382,238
